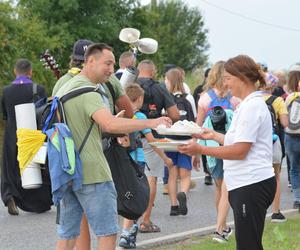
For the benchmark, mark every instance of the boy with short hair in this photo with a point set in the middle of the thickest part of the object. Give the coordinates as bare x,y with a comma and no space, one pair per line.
136,94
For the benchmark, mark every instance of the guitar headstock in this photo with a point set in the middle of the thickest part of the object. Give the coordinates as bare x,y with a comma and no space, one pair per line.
50,63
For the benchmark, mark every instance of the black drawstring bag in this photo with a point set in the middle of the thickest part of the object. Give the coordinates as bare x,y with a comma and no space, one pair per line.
130,182
218,119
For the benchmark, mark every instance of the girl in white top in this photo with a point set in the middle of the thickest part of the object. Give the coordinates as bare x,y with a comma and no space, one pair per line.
182,162
247,153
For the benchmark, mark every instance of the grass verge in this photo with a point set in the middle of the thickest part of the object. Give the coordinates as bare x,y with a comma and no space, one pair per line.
277,236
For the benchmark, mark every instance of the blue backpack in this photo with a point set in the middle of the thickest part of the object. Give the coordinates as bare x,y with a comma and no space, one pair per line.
223,102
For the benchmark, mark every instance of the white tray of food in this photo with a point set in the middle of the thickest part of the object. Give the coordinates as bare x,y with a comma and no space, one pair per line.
180,128
168,144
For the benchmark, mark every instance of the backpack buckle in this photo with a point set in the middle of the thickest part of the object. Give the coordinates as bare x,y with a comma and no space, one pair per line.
128,195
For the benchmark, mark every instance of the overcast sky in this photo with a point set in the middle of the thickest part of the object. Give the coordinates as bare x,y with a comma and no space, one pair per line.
232,33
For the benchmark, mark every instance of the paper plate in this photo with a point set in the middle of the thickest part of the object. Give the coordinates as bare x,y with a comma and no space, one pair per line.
169,146
175,131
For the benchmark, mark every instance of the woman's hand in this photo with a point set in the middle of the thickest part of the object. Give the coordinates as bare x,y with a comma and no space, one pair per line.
207,134
192,148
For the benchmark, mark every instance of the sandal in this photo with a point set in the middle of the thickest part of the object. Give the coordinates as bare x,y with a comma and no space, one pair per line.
148,228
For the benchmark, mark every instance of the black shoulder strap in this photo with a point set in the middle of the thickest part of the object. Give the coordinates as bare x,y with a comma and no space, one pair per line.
178,95
34,89
80,91
86,137
271,99
34,92
112,92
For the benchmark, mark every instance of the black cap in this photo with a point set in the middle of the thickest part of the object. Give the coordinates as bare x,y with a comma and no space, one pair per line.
168,67
79,48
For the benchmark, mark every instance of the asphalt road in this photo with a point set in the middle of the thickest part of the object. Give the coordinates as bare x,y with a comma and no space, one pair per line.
38,231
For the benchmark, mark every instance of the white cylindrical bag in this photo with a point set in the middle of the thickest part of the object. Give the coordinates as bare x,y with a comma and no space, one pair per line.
26,118
129,76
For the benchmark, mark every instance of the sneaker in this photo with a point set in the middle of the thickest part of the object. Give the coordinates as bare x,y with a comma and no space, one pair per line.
296,205
174,211
192,185
181,197
228,232
290,185
165,189
278,217
126,242
208,180
12,207
221,238
133,232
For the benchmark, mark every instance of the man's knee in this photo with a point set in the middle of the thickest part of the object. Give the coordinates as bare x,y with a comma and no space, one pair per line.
107,242
65,244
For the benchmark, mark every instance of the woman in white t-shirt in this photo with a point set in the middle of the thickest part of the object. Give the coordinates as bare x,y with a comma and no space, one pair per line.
247,153
217,94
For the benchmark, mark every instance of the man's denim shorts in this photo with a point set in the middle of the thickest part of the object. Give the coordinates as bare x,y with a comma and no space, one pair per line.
98,202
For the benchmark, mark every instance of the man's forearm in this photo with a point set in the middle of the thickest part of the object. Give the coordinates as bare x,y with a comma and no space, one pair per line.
123,125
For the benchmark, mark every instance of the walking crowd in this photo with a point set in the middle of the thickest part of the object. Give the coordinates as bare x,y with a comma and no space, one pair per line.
250,120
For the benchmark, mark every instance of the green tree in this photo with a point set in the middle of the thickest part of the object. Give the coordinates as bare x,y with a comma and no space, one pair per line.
22,36
34,25
179,31
96,20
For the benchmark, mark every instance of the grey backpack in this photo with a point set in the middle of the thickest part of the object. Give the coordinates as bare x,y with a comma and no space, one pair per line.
293,127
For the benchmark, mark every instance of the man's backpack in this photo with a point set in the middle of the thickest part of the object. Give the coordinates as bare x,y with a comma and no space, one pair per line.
149,107
51,112
278,131
184,107
293,107
131,183
275,123
185,112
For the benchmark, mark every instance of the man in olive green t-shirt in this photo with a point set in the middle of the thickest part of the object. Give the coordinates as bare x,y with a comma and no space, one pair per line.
121,101
97,198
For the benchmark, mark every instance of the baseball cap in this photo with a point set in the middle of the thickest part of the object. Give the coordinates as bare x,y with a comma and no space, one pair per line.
295,67
79,48
264,65
168,67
